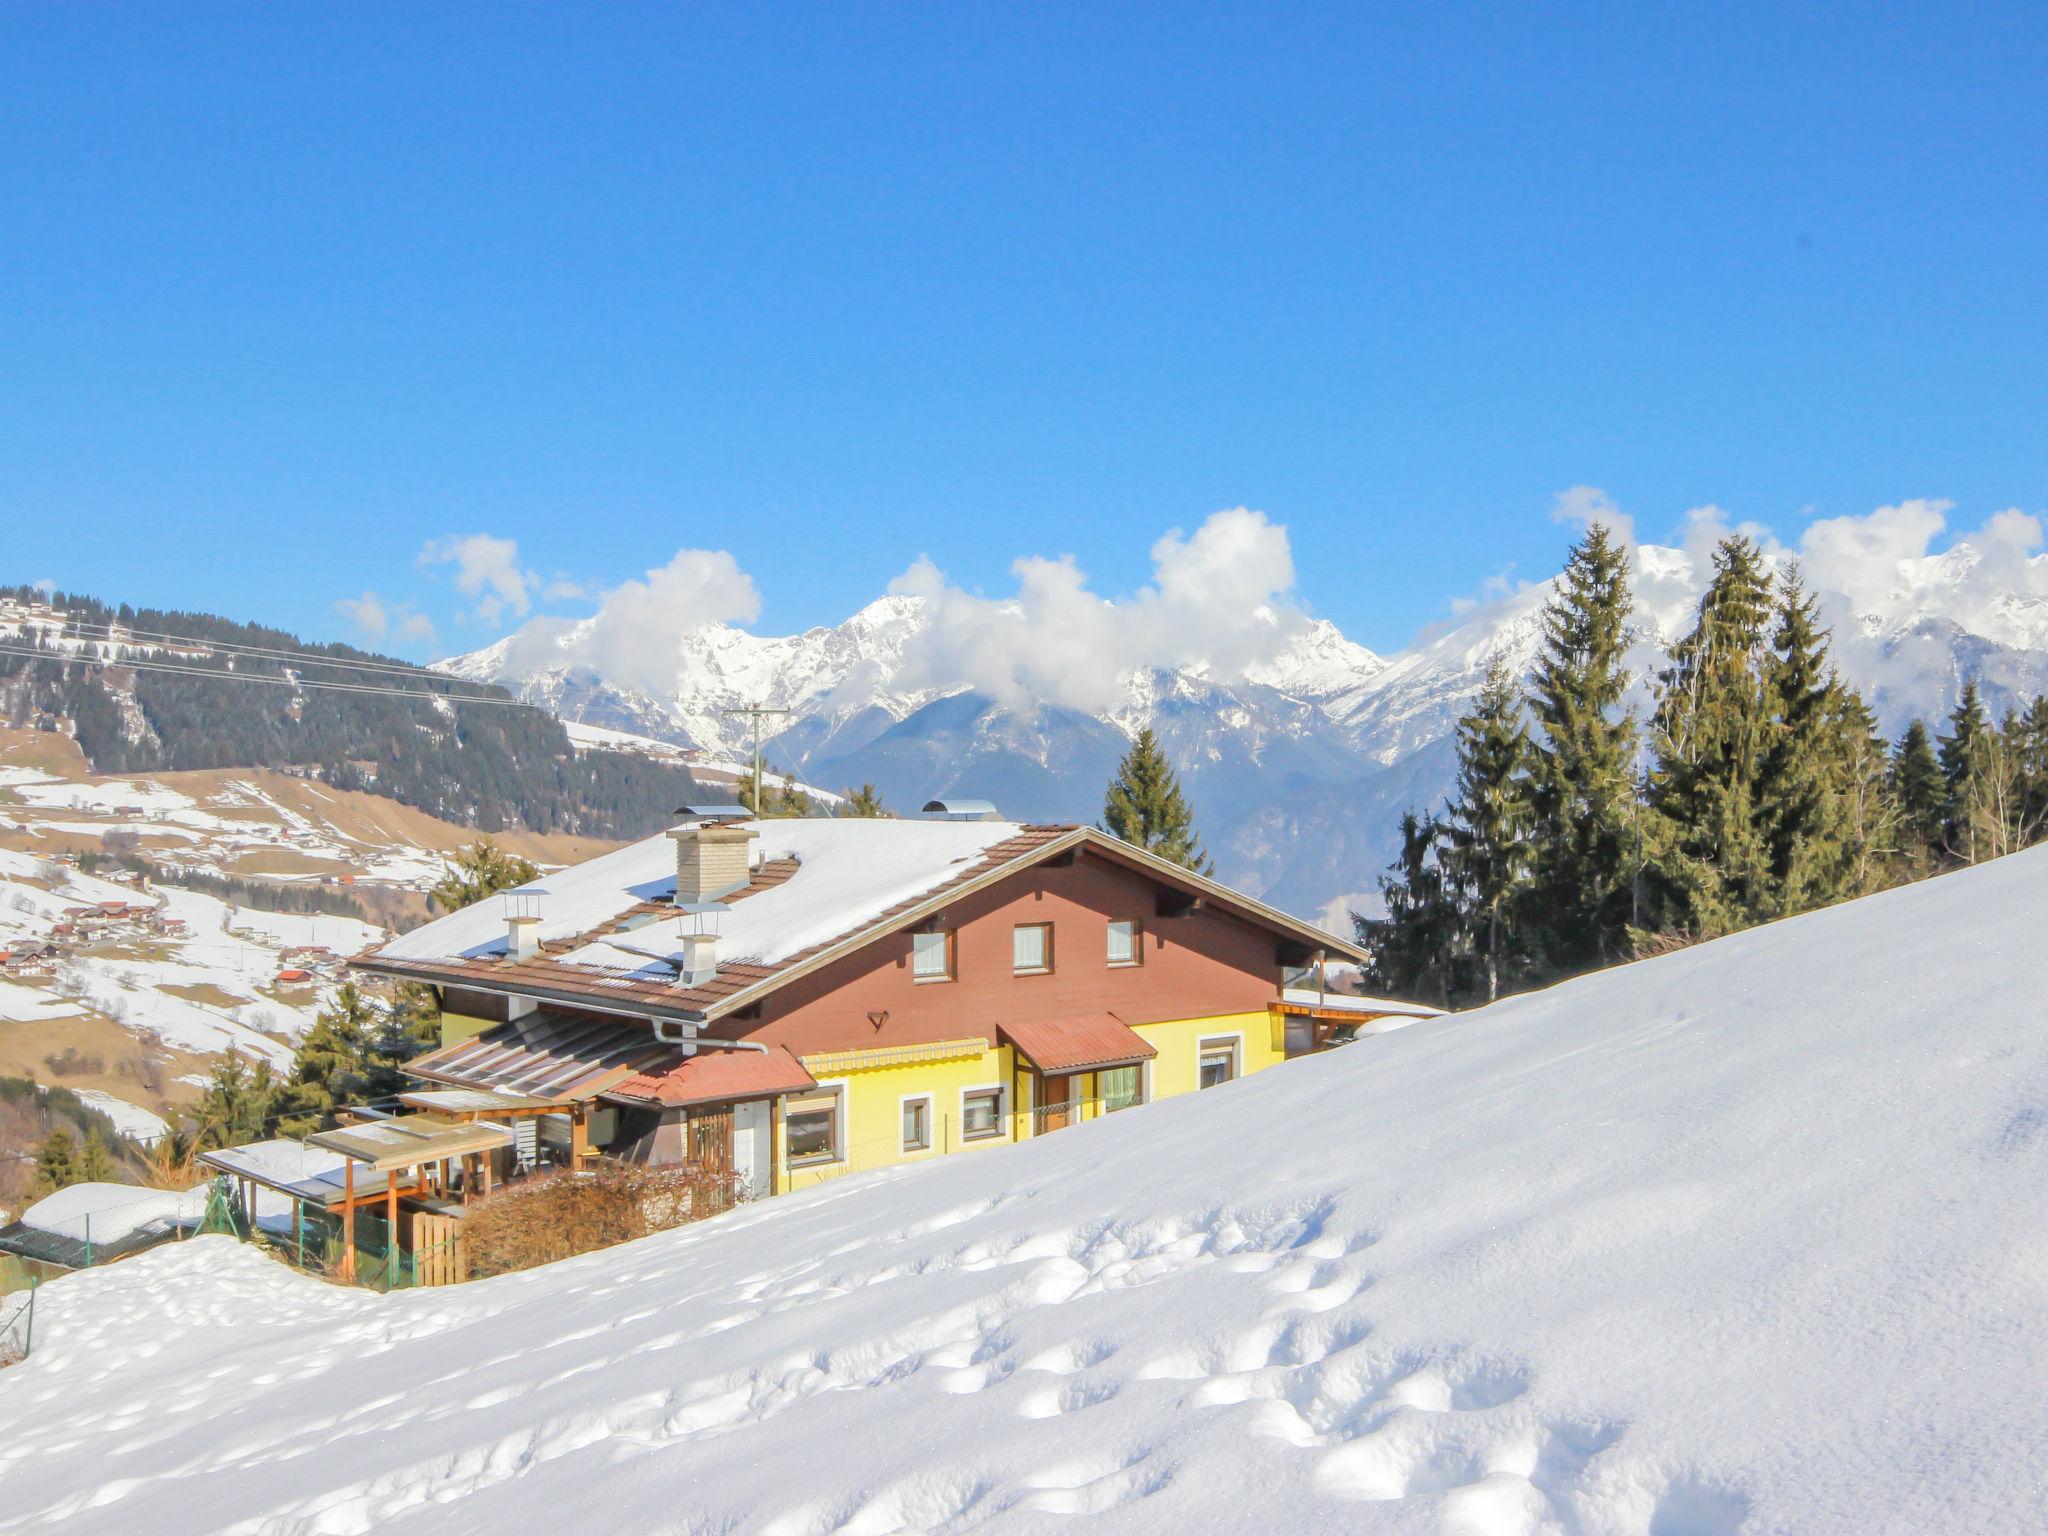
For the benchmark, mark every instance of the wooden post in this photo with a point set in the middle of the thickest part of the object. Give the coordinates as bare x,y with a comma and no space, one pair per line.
348,1220
390,1228
579,1139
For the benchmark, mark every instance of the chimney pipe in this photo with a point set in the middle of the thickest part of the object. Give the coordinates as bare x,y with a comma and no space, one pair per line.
522,924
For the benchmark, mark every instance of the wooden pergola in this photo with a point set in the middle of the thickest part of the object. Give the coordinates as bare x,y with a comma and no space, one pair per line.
415,1144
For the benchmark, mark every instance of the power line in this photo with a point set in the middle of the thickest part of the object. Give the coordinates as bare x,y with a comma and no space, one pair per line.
118,634
223,675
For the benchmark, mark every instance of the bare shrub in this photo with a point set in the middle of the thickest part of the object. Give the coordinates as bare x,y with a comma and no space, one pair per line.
559,1215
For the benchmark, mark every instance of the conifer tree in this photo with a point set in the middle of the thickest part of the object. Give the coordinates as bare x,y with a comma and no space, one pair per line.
1711,731
95,1163
1414,947
236,1106
1582,792
482,869
1485,848
1919,794
1145,806
2031,755
1967,760
330,1067
865,801
56,1161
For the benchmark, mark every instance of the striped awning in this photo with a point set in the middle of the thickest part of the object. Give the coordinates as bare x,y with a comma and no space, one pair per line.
562,1058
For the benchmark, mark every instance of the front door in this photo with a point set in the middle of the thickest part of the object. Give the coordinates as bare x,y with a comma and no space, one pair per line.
1056,1103
751,1146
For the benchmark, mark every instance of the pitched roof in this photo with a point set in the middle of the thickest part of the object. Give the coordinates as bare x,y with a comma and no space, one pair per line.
819,889
714,1075
1079,1043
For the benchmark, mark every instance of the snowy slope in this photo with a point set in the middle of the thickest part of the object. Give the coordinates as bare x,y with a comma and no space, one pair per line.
1750,1237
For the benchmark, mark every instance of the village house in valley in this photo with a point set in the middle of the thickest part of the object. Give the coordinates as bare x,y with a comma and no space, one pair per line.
794,999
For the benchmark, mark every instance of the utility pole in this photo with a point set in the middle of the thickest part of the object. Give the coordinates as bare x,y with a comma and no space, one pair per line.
754,712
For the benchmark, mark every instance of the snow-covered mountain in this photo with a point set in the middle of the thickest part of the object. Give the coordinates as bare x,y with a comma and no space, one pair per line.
1299,765
1747,1238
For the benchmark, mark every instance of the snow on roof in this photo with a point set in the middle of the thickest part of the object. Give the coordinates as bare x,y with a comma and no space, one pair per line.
849,871
107,1213
277,1162
1309,997
1689,1245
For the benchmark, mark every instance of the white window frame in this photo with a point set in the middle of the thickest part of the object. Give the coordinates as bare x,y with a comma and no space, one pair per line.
1137,955
945,975
1044,969
840,1126
1203,1048
1002,1130
931,1115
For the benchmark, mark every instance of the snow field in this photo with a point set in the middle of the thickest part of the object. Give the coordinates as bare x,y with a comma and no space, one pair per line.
1747,1238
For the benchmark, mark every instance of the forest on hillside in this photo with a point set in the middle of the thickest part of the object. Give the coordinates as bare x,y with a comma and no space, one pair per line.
487,765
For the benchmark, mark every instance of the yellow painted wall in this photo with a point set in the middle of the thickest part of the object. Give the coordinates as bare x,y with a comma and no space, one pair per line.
457,1027
1179,1044
871,1131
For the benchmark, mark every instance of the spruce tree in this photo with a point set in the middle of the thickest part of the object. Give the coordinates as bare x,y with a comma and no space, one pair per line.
1145,806
95,1164
236,1107
1711,728
1485,828
865,801
1919,795
1967,763
1414,947
2031,751
482,869
1582,791
331,1066
56,1161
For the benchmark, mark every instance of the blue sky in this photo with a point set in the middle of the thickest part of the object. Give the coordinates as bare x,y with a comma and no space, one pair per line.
294,294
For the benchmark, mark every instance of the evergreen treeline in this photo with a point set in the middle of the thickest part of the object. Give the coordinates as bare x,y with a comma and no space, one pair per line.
490,766
1759,787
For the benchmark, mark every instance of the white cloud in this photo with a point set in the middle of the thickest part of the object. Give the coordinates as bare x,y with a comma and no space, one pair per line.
1584,505
635,637
367,613
486,568
374,618
1220,601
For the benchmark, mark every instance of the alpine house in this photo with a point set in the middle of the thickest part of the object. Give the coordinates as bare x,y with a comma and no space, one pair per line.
789,1000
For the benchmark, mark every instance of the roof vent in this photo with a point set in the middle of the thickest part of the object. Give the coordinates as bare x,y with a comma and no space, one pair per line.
522,922
962,810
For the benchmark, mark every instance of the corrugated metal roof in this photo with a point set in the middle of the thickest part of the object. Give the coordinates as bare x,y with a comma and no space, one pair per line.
563,1058
386,1145
715,1075
1078,1043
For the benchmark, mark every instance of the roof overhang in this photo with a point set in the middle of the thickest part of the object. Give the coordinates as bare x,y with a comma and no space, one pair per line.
384,1146
1088,1042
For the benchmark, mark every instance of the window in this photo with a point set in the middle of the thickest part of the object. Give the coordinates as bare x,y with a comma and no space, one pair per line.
931,956
917,1125
1126,944
1121,1087
1031,948
811,1127
981,1114
1219,1063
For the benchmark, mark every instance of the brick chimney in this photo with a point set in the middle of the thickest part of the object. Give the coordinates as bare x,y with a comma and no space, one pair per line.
711,861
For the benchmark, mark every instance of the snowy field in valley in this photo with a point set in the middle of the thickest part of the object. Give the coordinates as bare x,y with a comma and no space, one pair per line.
1750,1238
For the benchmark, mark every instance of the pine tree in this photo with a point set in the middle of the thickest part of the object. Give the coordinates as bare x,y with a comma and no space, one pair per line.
1712,862
2031,755
1414,946
1485,849
1145,806
1820,794
1919,794
331,1066
236,1106
95,1164
482,869
1582,793
1967,763
865,801
56,1161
